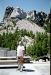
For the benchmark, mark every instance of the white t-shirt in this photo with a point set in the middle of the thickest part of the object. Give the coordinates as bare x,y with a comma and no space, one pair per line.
20,50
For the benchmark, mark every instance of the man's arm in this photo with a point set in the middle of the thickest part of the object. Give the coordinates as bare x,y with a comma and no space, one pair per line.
23,52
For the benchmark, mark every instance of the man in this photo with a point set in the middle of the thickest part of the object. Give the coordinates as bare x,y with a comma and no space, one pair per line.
20,54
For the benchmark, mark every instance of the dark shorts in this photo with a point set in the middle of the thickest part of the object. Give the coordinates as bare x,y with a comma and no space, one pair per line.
20,60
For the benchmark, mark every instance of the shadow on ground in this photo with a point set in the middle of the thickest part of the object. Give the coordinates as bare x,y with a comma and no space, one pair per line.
28,70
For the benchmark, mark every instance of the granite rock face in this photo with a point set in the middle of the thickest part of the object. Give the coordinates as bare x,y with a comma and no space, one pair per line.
31,15
25,24
18,13
8,12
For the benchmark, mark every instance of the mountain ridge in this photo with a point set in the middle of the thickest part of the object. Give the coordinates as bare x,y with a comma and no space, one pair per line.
14,16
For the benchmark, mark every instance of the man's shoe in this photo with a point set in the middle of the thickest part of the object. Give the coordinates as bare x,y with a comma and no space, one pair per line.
21,70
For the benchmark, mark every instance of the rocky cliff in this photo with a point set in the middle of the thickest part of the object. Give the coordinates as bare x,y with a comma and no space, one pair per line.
31,21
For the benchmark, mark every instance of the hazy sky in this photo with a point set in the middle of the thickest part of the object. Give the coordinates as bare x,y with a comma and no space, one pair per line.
27,5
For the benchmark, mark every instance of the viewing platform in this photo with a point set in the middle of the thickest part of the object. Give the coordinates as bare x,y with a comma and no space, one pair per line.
9,60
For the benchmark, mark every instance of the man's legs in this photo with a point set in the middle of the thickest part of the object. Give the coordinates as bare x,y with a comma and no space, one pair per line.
21,65
22,60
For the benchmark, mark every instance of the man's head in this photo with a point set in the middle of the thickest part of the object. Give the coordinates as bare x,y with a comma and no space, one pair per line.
21,43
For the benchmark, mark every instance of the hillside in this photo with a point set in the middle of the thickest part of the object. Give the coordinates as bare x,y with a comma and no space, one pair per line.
25,24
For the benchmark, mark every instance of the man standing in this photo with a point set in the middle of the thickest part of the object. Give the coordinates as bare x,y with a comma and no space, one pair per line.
20,54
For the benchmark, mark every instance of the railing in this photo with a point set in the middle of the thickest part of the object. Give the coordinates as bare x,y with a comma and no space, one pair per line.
14,59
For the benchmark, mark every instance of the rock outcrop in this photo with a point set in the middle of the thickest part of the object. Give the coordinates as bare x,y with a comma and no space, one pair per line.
16,17
25,24
31,15
18,13
8,12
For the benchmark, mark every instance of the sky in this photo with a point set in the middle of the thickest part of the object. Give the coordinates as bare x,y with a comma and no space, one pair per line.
27,5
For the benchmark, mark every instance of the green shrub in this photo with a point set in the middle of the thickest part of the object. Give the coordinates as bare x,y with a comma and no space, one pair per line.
40,46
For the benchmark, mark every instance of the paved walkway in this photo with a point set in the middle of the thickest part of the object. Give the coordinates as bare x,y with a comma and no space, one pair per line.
30,69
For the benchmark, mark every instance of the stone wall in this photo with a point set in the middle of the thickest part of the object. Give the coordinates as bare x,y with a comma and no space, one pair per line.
6,52
11,53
